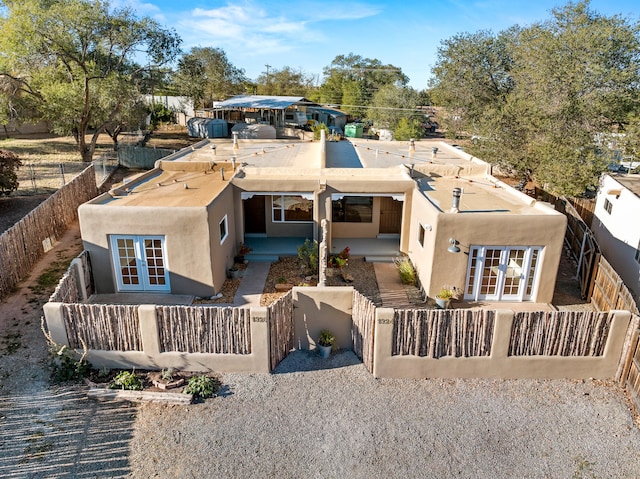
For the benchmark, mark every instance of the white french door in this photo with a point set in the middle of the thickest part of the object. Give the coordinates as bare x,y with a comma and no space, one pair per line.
502,273
139,263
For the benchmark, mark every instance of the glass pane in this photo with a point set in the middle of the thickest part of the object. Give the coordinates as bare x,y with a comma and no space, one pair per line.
297,208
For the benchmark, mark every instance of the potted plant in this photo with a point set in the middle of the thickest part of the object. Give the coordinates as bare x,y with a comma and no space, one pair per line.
326,340
242,251
444,297
234,272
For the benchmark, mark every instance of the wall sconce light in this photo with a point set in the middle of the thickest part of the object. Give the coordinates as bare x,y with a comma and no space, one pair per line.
453,248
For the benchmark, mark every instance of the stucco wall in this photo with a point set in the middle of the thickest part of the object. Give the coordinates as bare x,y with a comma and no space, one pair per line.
320,308
498,364
437,267
187,242
220,254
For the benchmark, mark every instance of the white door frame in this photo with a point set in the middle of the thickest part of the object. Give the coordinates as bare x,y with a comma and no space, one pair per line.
150,276
499,272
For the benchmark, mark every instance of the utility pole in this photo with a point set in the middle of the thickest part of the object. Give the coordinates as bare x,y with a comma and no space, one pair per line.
267,88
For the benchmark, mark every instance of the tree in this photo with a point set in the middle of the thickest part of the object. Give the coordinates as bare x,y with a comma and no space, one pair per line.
75,59
538,97
284,82
352,77
408,128
205,75
9,163
390,104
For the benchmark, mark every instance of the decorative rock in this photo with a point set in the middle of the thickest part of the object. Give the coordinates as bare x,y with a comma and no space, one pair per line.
347,277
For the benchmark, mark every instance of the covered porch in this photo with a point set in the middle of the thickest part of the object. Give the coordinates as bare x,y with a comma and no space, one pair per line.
381,249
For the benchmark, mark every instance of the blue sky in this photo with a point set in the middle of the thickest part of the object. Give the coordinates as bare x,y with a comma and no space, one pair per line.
308,35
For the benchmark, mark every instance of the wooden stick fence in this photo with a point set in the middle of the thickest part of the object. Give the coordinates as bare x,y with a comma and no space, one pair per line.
22,245
559,333
362,330
438,333
281,329
106,327
204,329
609,291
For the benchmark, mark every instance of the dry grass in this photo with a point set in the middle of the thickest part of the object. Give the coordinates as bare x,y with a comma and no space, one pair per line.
48,148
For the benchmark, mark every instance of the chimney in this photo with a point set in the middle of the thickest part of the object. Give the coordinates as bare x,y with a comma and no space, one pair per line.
457,192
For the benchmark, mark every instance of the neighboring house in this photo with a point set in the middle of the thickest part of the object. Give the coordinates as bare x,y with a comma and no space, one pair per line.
277,111
176,228
616,226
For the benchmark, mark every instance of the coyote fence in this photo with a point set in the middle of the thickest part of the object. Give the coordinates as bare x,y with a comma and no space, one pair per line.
22,245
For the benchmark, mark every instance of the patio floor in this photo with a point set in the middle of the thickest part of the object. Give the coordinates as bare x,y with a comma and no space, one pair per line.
271,248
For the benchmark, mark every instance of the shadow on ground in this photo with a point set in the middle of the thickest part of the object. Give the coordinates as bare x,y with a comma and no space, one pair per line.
58,432
310,360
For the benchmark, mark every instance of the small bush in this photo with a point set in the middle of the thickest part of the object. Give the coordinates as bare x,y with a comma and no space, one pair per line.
405,270
308,252
202,386
126,380
66,364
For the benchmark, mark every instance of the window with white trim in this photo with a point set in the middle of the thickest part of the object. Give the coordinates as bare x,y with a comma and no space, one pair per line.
608,206
291,208
224,229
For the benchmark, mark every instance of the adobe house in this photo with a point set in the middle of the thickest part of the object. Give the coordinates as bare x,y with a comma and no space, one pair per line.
176,228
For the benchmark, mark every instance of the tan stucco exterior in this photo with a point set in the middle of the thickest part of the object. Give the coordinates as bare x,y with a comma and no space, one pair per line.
196,259
185,199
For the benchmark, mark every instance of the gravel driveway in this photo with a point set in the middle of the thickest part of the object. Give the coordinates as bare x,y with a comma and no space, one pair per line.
331,418
312,418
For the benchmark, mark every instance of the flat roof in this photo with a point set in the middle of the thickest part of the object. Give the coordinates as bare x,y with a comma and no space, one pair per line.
359,164
263,101
480,195
630,182
185,187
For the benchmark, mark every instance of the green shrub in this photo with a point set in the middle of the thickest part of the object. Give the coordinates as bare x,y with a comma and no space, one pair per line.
308,252
318,128
126,380
407,129
202,386
405,270
66,363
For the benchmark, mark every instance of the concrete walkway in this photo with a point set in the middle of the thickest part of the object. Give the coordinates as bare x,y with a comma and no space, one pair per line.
392,292
252,284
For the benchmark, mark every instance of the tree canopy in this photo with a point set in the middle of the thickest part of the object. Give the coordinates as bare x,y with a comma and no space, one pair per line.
74,62
537,97
205,74
351,81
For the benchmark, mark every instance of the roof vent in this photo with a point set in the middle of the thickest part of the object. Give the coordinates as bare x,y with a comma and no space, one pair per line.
455,205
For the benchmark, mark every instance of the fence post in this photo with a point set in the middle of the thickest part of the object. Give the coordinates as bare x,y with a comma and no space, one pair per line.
502,334
149,329
260,343
55,323
383,337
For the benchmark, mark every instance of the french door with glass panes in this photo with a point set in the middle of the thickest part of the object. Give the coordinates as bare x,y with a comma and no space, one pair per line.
502,273
140,263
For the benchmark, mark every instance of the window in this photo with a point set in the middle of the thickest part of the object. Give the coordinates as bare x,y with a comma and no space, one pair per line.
607,205
291,208
139,263
224,229
638,253
421,233
353,209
